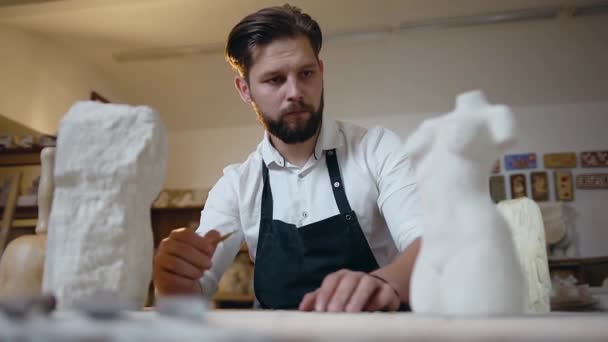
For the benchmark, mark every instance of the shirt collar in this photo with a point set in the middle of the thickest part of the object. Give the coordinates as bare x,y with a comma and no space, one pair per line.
329,138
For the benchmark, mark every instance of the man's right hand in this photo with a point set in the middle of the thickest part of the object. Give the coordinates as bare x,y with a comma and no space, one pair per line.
181,259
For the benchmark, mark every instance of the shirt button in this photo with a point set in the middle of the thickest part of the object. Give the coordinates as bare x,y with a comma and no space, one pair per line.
336,184
305,214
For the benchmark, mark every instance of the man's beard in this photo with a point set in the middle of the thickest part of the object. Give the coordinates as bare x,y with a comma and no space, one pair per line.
297,132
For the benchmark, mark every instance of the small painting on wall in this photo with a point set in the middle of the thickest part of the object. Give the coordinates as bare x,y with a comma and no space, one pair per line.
518,186
496,167
560,160
594,159
520,161
563,186
592,181
497,188
540,186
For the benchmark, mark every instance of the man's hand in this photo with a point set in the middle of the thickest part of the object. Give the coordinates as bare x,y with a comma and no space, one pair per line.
181,259
351,292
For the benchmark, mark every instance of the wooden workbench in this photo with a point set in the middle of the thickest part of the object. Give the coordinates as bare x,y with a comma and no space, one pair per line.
251,325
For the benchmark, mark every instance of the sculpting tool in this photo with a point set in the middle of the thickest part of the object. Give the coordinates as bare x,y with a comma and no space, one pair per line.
226,236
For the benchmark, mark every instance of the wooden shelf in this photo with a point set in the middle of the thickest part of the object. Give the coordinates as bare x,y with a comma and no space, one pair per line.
20,157
23,213
589,270
578,261
31,212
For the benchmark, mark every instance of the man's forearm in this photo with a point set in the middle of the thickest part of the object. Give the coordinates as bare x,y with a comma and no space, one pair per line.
399,272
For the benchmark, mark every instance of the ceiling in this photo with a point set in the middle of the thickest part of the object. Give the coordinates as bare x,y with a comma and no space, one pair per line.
9,126
104,27
95,29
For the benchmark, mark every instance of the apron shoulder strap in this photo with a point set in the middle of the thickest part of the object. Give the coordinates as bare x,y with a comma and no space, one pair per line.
267,202
337,185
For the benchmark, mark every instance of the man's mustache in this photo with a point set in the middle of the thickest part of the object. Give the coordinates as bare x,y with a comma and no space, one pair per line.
298,107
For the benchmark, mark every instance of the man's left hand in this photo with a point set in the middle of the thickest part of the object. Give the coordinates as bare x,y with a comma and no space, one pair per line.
349,291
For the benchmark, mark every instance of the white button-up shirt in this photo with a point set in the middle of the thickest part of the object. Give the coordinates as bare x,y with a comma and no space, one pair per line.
378,180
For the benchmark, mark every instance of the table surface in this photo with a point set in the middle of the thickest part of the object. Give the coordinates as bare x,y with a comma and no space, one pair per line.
251,325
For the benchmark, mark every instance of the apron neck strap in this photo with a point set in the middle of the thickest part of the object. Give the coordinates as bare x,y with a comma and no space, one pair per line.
267,202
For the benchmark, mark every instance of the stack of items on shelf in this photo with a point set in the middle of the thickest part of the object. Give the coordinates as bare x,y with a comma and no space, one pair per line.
14,142
180,198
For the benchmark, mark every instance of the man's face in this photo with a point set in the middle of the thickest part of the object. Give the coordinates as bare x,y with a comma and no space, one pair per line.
286,89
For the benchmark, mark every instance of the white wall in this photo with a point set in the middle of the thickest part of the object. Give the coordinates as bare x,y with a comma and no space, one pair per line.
524,64
540,129
40,80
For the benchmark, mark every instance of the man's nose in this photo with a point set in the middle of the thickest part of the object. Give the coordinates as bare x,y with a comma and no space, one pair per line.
294,90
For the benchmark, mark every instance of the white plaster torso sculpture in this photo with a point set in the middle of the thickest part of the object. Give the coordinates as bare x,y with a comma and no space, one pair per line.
467,263
22,265
110,165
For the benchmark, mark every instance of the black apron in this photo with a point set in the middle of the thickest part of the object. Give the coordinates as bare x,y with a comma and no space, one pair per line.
291,261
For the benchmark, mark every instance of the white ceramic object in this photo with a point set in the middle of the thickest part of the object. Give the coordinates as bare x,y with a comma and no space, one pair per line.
467,263
22,264
45,189
526,223
110,165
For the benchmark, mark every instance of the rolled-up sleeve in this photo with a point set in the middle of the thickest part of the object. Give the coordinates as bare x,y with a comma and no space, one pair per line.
398,199
221,212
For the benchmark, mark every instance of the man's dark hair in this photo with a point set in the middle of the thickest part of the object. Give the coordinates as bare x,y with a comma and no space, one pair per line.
265,26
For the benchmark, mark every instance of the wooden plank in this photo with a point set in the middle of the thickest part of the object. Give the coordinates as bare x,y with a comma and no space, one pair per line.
24,212
9,210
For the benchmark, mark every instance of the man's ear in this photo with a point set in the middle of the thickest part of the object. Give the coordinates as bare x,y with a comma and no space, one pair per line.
243,88
321,66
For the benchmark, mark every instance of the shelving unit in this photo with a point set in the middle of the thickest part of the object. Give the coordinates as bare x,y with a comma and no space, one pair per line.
20,157
591,270
24,218
163,220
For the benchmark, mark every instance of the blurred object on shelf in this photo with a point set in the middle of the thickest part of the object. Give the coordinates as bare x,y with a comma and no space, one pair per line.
25,141
558,219
180,198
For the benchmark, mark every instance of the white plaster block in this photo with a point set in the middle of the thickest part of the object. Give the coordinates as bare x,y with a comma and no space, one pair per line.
110,165
526,223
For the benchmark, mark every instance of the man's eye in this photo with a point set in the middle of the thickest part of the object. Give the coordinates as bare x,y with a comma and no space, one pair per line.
274,80
307,73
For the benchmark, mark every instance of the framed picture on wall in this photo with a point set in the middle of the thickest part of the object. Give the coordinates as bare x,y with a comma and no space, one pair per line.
518,186
563,186
594,159
592,181
520,161
539,183
497,188
560,160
